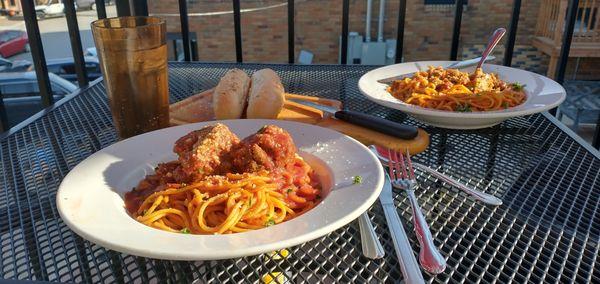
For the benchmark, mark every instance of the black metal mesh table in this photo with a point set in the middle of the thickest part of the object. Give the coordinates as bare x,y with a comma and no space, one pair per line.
548,229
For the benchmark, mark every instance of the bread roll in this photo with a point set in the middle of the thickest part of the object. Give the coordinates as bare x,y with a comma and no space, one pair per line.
267,96
229,97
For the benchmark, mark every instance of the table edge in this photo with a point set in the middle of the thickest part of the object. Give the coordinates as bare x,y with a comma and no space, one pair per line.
571,133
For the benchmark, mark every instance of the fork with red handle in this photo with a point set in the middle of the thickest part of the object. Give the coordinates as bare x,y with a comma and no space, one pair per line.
403,177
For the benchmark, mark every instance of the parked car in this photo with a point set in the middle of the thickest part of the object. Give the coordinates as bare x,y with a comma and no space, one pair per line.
56,8
85,4
20,93
14,66
24,84
91,51
65,68
90,4
53,8
13,42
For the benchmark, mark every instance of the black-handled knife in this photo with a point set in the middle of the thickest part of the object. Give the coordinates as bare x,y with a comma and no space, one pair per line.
372,122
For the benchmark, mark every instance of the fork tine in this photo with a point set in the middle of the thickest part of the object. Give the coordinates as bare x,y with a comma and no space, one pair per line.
410,167
402,165
391,164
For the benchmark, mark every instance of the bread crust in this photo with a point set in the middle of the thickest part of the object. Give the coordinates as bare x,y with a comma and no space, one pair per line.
230,95
267,95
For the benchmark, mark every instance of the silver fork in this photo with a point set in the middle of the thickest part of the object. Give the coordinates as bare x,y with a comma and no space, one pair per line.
478,195
430,258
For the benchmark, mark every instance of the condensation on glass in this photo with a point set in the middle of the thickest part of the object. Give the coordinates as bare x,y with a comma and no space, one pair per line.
133,58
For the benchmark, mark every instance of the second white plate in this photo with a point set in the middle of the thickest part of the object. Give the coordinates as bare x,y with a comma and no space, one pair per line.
542,94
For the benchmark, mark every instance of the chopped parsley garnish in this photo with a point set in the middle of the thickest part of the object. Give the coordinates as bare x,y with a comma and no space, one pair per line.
185,231
356,179
318,197
144,212
269,223
505,105
517,86
465,108
289,190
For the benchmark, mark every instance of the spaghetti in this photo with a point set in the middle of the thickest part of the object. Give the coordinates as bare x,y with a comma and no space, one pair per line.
453,90
231,203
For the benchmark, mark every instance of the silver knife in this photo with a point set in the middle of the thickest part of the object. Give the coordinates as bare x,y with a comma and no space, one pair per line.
455,65
406,257
372,122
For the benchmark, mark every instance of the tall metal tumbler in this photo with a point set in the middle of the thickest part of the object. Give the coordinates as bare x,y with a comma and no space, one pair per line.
133,58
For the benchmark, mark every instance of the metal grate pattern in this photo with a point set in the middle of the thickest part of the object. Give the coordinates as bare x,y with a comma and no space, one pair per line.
548,229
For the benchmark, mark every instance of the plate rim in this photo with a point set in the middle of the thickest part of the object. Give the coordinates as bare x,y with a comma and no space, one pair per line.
221,254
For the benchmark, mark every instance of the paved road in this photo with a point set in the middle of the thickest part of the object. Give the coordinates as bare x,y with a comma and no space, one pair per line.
55,36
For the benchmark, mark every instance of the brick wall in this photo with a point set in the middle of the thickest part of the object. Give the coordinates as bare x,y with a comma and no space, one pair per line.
428,31
524,56
318,25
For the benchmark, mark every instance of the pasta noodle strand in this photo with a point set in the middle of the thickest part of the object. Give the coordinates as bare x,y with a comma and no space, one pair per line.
229,204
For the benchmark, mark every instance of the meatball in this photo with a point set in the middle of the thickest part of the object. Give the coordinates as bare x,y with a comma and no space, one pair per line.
202,152
270,148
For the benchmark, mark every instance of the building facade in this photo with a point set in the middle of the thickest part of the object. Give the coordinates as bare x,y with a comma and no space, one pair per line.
428,30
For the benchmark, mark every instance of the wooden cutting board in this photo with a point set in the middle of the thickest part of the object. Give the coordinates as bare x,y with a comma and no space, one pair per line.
198,108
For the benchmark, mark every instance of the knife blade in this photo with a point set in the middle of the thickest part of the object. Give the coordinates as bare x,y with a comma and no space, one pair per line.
406,258
372,122
455,65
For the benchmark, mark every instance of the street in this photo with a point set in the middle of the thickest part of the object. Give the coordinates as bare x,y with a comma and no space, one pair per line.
55,37
56,43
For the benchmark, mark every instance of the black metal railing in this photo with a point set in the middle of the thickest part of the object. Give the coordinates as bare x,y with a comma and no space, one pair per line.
512,33
185,29
101,9
291,30
140,7
400,31
345,15
37,51
458,11
75,38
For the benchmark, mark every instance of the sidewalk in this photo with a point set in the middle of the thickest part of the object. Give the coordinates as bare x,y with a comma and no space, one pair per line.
11,24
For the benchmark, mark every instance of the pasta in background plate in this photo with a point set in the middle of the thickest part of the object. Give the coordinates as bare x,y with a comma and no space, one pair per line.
453,90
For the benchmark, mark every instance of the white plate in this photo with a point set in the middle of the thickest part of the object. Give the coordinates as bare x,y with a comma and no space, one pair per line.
90,198
542,94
